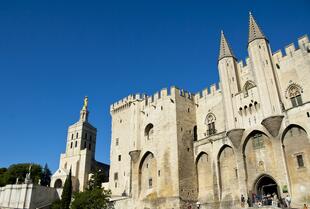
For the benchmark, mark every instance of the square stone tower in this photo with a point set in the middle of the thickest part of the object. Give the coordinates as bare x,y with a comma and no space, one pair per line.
80,153
152,149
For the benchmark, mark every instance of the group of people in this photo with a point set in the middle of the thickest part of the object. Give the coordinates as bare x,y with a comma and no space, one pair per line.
267,199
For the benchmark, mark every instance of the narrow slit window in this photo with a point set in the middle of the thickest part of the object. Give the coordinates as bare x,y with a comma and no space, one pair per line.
150,182
300,161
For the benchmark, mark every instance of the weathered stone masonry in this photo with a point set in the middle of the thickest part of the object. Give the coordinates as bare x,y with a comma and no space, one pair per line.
249,135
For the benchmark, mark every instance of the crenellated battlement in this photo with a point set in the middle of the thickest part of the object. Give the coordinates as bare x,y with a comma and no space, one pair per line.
126,102
291,50
244,68
241,63
149,100
208,92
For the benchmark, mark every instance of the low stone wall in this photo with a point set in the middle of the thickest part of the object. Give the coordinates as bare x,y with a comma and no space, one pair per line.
26,196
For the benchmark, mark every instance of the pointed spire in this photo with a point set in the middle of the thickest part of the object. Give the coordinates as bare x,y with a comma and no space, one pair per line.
254,31
225,50
84,112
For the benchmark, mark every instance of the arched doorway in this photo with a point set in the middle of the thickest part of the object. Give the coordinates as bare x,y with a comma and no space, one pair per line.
58,184
265,189
148,174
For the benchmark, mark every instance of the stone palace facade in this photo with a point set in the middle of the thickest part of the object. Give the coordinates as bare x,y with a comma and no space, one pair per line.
248,135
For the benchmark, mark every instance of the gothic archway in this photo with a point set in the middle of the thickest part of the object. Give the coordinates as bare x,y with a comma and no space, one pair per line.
58,184
228,173
296,149
204,177
265,188
258,156
147,173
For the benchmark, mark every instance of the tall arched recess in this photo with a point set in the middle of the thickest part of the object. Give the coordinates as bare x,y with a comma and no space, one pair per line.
204,178
147,174
228,175
259,157
296,148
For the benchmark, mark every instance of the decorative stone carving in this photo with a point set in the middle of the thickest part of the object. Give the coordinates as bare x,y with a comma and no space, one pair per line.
273,124
261,166
235,136
134,155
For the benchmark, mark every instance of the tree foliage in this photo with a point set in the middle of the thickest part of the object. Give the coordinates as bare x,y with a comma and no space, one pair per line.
67,192
56,204
91,199
97,178
2,179
46,176
10,175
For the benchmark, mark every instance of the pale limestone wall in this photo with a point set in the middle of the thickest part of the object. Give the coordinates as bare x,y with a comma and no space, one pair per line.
216,169
249,108
261,60
293,69
209,103
228,176
229,86
26,196
186,123
161,112
205,178
297,142
245,72
125,124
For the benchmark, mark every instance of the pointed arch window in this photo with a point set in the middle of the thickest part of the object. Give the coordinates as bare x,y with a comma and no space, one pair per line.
210,121
258,141
148,131
294,93
247,86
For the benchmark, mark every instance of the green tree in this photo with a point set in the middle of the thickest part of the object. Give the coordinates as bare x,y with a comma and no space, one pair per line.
91,199
56,204
19,171
3,170
46,176
67,192
97,178
2,176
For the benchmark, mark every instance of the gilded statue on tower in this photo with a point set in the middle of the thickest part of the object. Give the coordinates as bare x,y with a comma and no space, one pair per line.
85,102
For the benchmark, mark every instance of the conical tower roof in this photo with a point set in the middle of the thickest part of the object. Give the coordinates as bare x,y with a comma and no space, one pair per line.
254,31
225,50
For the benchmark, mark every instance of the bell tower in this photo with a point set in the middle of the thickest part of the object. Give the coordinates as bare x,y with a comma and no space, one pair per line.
80,152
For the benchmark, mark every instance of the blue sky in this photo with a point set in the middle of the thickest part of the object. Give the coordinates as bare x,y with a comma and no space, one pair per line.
52,53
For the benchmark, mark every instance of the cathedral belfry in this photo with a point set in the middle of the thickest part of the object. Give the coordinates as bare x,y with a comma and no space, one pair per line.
80,153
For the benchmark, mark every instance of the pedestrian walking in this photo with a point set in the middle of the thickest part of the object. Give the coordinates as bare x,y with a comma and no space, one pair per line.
242,201
288,201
